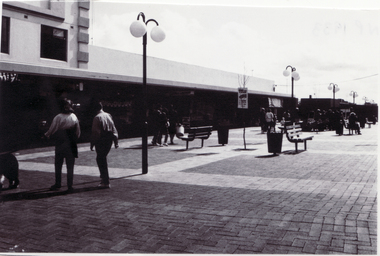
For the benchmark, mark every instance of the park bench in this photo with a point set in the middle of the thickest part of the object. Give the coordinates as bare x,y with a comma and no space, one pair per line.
294,132
368,122
202,133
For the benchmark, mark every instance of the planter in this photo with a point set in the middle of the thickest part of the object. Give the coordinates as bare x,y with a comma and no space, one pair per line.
274,142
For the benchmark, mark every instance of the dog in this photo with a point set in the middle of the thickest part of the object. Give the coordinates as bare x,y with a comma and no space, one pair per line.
9,169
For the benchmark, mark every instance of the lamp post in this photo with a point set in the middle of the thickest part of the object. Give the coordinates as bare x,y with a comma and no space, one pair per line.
354,95
334,88
295,77
139,29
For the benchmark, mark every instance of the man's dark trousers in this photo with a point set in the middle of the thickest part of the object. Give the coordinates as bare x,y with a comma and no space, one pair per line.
103,147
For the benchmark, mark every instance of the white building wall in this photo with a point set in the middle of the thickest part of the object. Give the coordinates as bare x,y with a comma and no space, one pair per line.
129,64
25,32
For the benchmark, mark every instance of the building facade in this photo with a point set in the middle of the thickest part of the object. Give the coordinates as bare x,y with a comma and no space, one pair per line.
45,56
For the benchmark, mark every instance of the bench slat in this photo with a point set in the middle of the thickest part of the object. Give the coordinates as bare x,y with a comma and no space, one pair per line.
293,133
202,132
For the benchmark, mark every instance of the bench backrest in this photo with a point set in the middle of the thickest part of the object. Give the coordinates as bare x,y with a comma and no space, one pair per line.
293,131
200,132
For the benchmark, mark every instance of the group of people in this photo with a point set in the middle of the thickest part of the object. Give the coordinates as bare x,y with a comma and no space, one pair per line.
164,122
332,120
267,120
65,131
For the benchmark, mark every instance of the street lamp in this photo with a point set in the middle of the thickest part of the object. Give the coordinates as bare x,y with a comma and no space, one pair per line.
138,28
334,88
295,76
354,95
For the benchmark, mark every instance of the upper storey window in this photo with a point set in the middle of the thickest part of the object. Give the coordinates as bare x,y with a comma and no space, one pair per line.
53,43
5,32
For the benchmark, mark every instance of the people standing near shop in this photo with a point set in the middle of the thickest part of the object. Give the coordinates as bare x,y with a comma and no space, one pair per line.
338,122
103,134
65,131
172,116
353,121
263,124
154,121
270,120
163,125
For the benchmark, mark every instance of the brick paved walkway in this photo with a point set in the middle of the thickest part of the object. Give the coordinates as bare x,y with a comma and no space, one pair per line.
215,199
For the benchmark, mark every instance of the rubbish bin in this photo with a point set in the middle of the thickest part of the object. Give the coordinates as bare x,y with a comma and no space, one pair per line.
223,135
274,142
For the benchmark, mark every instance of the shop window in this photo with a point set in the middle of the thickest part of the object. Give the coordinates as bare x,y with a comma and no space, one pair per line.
53,43
5,31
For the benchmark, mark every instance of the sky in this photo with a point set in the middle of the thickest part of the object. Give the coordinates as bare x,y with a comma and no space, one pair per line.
326,41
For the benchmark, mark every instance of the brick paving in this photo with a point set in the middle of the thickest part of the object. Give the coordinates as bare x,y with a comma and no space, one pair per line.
216,199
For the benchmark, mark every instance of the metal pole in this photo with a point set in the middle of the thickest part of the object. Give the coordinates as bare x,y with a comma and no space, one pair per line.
293,93
334,96
145,103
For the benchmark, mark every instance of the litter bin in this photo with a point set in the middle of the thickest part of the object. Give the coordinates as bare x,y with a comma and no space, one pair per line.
223,129
223,135
274,142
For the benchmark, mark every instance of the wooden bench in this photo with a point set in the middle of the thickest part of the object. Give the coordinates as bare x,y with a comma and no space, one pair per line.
368,122
202,133
294,132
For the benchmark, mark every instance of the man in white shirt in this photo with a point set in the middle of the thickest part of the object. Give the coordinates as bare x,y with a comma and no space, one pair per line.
65,130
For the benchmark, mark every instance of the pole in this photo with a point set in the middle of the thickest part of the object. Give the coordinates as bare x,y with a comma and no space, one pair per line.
334,96
293,107
145,103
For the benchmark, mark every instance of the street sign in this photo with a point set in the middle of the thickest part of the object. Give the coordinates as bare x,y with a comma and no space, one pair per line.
243,97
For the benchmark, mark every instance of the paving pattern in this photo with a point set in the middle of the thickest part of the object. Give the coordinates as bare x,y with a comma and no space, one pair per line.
215,199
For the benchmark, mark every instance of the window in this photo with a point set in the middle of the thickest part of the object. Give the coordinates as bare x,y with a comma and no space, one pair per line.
53,43
5,31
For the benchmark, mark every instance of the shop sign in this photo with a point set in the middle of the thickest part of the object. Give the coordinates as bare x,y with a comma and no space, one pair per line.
243,97
8,77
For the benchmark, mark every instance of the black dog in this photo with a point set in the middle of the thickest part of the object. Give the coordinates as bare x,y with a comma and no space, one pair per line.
9,170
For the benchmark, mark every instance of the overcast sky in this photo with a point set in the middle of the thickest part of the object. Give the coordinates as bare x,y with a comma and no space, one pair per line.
332,42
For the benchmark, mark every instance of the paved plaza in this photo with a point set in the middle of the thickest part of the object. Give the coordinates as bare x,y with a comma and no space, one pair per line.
216,199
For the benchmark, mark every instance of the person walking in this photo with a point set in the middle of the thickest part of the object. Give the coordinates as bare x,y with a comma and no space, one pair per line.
270,120
65,130
103,134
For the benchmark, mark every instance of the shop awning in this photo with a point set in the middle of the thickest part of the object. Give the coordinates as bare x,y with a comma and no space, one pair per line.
275,102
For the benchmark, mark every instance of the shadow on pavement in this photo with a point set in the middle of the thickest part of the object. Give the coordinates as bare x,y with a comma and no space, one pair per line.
292,152
268,156
46,193
245,149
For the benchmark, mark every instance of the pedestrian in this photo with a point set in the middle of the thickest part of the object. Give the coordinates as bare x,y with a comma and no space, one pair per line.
263,124
103,134
172,116
154,121
353,121
65,131
270,120
339,122
163,125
